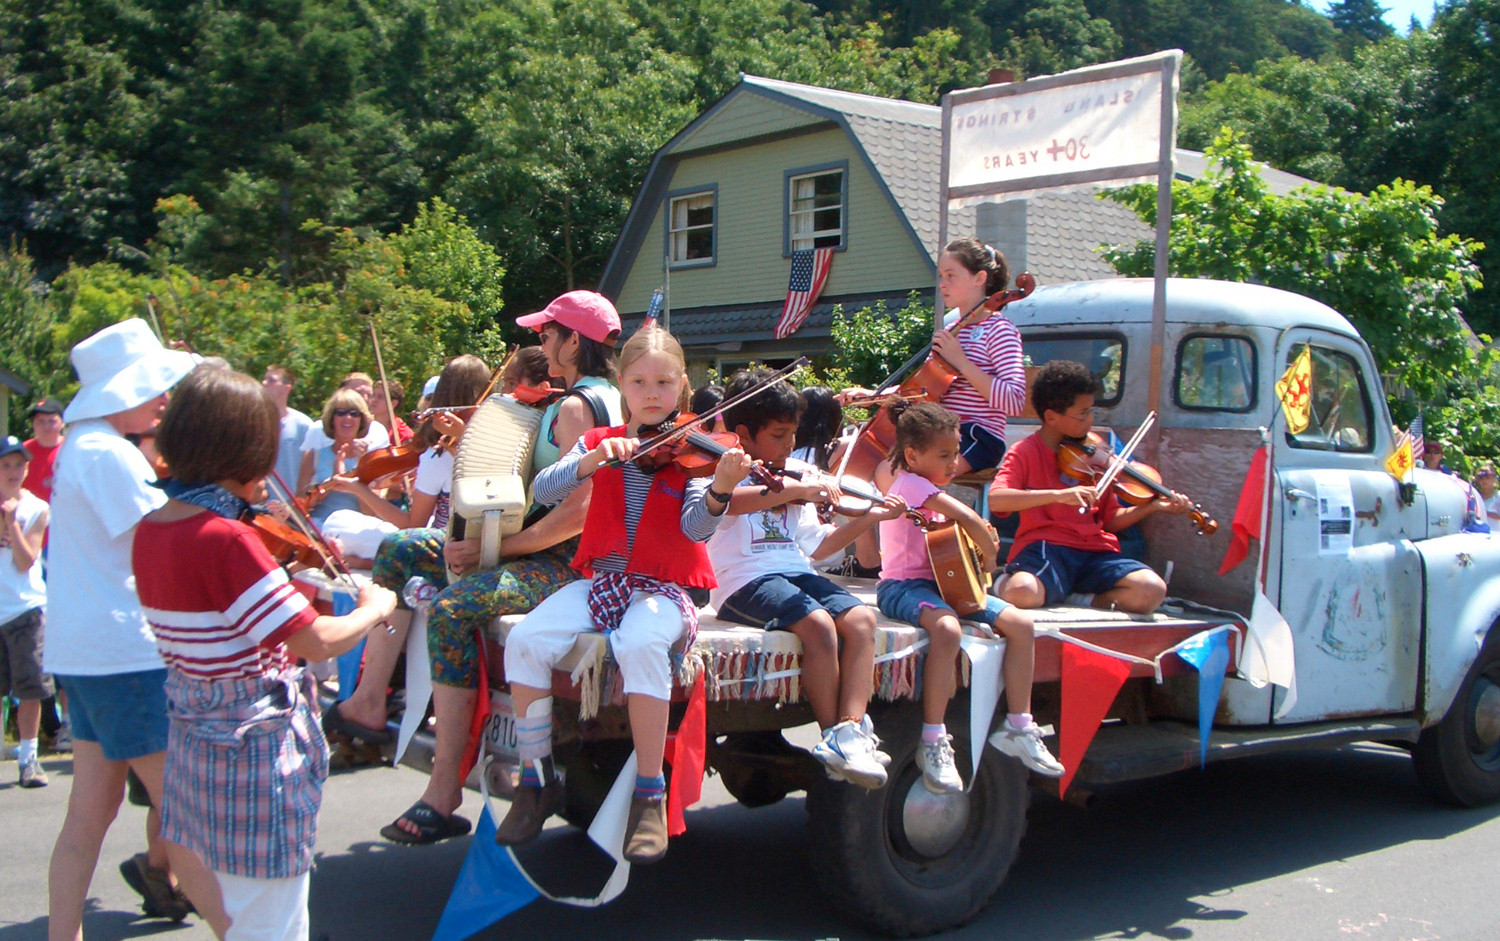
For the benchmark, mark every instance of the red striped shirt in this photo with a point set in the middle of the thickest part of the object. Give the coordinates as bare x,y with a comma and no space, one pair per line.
995,347
219,605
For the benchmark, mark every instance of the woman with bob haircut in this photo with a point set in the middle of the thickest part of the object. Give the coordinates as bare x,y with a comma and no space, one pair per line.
246,759
346,419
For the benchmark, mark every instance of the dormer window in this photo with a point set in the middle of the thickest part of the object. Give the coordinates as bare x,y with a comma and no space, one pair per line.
816,202
690,228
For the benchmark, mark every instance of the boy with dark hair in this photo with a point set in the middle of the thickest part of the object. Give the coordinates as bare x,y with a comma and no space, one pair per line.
23,523
1066,539
762,556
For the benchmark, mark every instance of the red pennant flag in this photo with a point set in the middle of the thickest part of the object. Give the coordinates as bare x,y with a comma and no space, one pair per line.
1247,513
481,715
1089,683
689,758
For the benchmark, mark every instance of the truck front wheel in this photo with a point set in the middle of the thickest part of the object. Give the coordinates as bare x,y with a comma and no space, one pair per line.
905,861
1458,760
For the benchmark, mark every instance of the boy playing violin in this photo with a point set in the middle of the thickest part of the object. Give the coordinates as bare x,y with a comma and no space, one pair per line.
762,556
1066,539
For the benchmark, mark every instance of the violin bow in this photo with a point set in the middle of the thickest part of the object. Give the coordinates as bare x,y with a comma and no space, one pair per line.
385,387
334,564
672,434
1117,462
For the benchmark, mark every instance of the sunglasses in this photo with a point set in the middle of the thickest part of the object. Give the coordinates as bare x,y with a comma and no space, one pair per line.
347,412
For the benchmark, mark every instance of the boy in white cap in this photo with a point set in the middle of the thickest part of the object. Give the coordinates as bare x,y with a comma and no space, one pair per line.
23,523
98,645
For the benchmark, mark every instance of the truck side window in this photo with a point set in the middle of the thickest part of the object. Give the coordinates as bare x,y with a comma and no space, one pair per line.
1103,354
1341,413
1216,373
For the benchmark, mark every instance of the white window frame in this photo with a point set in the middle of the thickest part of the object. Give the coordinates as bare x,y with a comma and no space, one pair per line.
679,229
806,237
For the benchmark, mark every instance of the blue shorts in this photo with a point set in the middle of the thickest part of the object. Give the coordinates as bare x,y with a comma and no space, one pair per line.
1063,571
979,446
125,713
776,602
905,599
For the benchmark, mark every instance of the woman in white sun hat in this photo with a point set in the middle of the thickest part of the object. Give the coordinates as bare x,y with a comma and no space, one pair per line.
98,645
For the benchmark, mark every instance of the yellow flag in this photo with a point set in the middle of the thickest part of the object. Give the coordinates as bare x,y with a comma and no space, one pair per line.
1400,463
1294,389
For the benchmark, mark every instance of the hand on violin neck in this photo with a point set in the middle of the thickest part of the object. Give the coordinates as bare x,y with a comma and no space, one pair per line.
618,450
947,346
893,507
447,423
734,466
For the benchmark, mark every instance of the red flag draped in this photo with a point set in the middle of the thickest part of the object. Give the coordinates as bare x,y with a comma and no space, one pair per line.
1089,683
1247,513
688,757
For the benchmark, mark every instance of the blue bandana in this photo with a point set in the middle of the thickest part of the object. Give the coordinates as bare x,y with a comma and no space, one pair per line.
211,497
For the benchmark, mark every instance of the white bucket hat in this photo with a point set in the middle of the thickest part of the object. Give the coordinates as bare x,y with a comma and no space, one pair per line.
121,367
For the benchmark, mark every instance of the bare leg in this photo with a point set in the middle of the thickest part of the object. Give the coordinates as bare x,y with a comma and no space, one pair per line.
1024,590
1020,658
940,672
93,802
820,665
453,707
189,871
1140,592
648,729
366,705
963,466
29,718
856,629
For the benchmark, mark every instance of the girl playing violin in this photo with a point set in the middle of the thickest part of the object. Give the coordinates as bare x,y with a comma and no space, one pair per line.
926,458
1060,550
634,589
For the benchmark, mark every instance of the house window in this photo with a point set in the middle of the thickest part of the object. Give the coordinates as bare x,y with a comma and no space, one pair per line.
815,209
690,230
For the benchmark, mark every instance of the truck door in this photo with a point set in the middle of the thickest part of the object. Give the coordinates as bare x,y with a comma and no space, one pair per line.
1345,573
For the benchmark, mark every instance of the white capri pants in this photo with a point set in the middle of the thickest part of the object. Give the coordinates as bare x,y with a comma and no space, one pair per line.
265,909
641,645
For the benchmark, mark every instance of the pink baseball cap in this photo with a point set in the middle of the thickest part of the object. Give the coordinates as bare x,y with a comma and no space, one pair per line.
583,312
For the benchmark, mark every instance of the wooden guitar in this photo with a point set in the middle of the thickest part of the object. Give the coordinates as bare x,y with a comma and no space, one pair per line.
957,565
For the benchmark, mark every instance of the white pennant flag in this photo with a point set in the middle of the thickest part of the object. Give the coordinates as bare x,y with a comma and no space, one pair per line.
1268,655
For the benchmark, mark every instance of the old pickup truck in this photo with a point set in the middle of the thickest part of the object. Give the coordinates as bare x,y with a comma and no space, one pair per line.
1392,611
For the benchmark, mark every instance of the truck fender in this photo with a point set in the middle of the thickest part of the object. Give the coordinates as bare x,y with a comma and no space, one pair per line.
1461,576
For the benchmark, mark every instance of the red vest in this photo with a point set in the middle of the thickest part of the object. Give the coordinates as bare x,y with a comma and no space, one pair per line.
666,553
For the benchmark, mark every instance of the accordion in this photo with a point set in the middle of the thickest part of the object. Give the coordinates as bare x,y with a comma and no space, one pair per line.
492,475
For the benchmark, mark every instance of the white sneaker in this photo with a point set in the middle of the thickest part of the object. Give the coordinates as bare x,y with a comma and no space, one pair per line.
848,755
868,728
939,772
1026,744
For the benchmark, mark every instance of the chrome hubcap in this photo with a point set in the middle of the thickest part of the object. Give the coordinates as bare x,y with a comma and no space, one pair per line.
1487,714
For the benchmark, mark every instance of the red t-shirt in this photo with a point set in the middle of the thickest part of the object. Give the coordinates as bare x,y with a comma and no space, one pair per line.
219,605
39,471
1031,465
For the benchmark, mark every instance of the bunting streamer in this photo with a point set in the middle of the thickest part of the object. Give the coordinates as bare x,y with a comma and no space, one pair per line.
1247,512
986,681
1268,656
1208,653
687,752
418,683
1090,681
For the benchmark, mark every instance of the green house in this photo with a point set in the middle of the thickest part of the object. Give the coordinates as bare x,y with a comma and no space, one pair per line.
775,166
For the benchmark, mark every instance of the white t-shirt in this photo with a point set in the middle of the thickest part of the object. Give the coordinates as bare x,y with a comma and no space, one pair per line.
780,540
376,437
95,626
294,426
21,591
1492,505
435,478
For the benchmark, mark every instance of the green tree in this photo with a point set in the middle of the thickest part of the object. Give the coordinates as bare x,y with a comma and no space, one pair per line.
872,342
1058,35
27,319
1379,259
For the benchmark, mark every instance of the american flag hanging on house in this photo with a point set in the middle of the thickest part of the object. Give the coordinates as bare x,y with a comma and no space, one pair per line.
809,273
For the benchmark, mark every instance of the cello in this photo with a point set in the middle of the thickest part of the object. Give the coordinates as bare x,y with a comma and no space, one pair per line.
928,378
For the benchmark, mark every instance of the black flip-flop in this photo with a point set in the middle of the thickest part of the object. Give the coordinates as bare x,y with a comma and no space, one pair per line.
432,827
336,726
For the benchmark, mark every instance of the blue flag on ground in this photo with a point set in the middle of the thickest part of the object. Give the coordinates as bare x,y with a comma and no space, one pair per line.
488,887
1209,655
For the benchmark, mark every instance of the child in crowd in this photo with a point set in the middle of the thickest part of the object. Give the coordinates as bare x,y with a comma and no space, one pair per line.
926,458
245,760
527,368
991,381
1488,484
1066,542
818,428
23,596
634,590
705,398
762,557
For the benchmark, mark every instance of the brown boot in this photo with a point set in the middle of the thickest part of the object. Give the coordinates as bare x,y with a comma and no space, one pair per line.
529,809
646,831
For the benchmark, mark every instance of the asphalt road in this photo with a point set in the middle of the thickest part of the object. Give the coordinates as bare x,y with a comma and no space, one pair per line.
1337,845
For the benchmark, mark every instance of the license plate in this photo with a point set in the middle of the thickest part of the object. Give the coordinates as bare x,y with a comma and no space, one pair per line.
500,728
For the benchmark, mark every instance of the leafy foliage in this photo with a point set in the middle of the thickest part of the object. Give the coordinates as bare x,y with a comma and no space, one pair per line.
870,343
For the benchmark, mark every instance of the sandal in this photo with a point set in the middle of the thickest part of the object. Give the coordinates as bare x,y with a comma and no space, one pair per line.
335,726
432,827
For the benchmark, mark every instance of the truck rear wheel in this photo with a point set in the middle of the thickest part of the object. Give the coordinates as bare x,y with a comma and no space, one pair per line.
905,861
1458,760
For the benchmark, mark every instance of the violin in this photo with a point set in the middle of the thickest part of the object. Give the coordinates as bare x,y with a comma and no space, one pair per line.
930,382
1087,459
374,469
285,544
696,453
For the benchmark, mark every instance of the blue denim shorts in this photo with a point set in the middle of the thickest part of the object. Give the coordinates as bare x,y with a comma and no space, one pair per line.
979,446
904,600
776,602
1063,571
125,713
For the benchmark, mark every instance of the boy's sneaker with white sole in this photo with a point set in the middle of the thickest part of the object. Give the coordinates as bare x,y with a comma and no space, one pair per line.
1026,744
848,754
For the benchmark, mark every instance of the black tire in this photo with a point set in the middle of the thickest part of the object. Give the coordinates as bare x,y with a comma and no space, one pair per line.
590,770
861,853
1458,760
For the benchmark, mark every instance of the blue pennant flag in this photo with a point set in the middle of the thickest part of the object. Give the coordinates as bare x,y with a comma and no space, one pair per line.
1209,655
488,887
